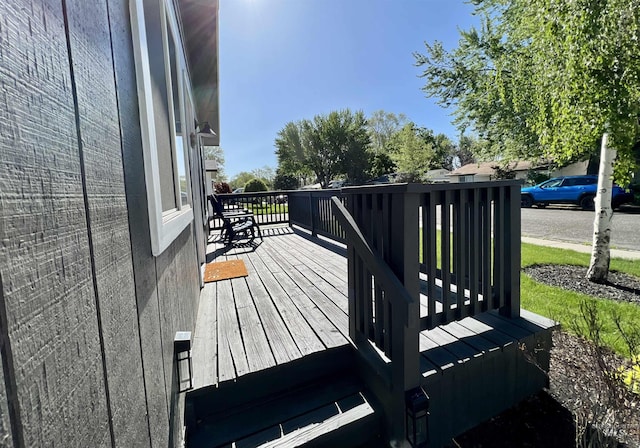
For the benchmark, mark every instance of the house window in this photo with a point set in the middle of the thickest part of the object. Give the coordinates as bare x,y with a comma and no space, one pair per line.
468,178
166,118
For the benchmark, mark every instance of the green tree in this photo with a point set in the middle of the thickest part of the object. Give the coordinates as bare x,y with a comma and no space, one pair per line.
285,181
382,126
469,150
255,185
444,150
327,146
266,173
382,163
216,153
549,78
414,150
240,179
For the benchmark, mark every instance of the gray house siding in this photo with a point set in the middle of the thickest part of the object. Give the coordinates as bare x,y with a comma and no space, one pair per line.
89,314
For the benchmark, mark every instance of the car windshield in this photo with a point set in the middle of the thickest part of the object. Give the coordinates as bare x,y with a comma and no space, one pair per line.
551,183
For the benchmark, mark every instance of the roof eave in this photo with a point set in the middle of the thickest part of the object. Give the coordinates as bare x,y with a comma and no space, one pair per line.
200,27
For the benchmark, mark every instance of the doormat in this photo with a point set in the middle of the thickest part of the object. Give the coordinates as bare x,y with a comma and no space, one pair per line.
223,270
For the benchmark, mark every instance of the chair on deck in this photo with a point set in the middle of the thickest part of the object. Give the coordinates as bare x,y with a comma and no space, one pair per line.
238,226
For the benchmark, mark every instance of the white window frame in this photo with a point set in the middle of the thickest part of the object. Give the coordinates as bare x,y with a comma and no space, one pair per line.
164,227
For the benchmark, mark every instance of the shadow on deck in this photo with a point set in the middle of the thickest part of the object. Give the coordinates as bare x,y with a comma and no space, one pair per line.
274,365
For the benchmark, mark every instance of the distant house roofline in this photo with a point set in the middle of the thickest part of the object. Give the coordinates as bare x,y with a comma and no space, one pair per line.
487,168
210,166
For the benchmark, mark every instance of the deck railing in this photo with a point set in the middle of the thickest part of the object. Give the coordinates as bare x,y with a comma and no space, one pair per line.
269,207
311,210
420,256
456,247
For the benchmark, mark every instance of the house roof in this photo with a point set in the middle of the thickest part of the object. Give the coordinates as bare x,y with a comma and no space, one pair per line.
486,168
200,30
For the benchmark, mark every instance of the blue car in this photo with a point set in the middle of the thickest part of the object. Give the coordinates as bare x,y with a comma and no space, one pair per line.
578,190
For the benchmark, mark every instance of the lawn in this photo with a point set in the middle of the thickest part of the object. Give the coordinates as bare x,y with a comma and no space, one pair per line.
267,209
564,306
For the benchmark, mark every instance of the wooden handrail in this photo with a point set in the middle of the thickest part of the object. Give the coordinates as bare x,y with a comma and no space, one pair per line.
376,265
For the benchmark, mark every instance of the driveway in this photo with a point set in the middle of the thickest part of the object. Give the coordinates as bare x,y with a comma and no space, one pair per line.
576,226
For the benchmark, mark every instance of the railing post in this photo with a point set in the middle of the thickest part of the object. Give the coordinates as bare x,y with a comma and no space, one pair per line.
404,261
512,234
288,209
312,215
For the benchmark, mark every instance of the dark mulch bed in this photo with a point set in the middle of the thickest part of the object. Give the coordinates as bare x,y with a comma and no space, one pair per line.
577,391
620,286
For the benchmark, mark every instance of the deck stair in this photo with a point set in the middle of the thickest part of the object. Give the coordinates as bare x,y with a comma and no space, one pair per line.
313,402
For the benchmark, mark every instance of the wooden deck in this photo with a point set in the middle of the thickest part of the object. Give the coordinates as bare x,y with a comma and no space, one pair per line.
292,304
292,309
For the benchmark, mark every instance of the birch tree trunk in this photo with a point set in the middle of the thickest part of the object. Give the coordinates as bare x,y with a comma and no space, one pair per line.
600,255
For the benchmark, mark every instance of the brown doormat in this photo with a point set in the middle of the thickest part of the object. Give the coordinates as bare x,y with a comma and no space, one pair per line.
223,270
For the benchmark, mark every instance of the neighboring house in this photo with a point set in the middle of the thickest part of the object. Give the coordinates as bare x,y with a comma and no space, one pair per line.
437,176
575,169
485,171
103,216
211,169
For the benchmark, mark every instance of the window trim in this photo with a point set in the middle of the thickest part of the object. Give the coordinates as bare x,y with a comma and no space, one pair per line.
466,178
165,227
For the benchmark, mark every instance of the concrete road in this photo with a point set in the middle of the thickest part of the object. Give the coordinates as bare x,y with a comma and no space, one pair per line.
576,226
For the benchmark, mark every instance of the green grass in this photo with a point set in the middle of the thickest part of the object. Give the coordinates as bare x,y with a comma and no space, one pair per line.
267,209
564,306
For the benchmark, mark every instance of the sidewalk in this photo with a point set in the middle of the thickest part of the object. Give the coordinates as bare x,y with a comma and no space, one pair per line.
615,253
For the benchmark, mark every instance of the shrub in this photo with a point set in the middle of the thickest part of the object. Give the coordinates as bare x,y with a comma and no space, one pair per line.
221,187
255,185
535,177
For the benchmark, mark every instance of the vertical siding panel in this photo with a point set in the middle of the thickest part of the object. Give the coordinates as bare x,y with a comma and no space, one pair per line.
47,281
144,265
6,435
90,45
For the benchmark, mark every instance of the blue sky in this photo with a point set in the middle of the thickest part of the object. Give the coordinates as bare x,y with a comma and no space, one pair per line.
285,60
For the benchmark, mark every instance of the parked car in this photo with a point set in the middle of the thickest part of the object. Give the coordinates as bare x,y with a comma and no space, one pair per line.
238,190
384,179
578,190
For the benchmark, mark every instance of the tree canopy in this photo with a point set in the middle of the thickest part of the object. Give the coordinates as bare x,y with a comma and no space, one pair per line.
544,78
416,150
382,126
327,146
216,153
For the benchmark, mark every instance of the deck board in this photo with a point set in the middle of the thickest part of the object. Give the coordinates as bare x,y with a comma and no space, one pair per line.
257,347
292,304
205,340
232,360
282,343
301,332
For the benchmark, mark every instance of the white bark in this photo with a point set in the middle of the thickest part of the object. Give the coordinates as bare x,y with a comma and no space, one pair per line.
600,255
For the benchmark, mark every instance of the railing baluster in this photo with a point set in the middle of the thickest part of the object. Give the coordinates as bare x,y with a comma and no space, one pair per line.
474,246
461,254
376,239
487,303
430,252
498,245
445,255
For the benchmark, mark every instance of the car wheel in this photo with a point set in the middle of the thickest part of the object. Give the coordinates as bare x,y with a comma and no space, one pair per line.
526,201
586,202
541,205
